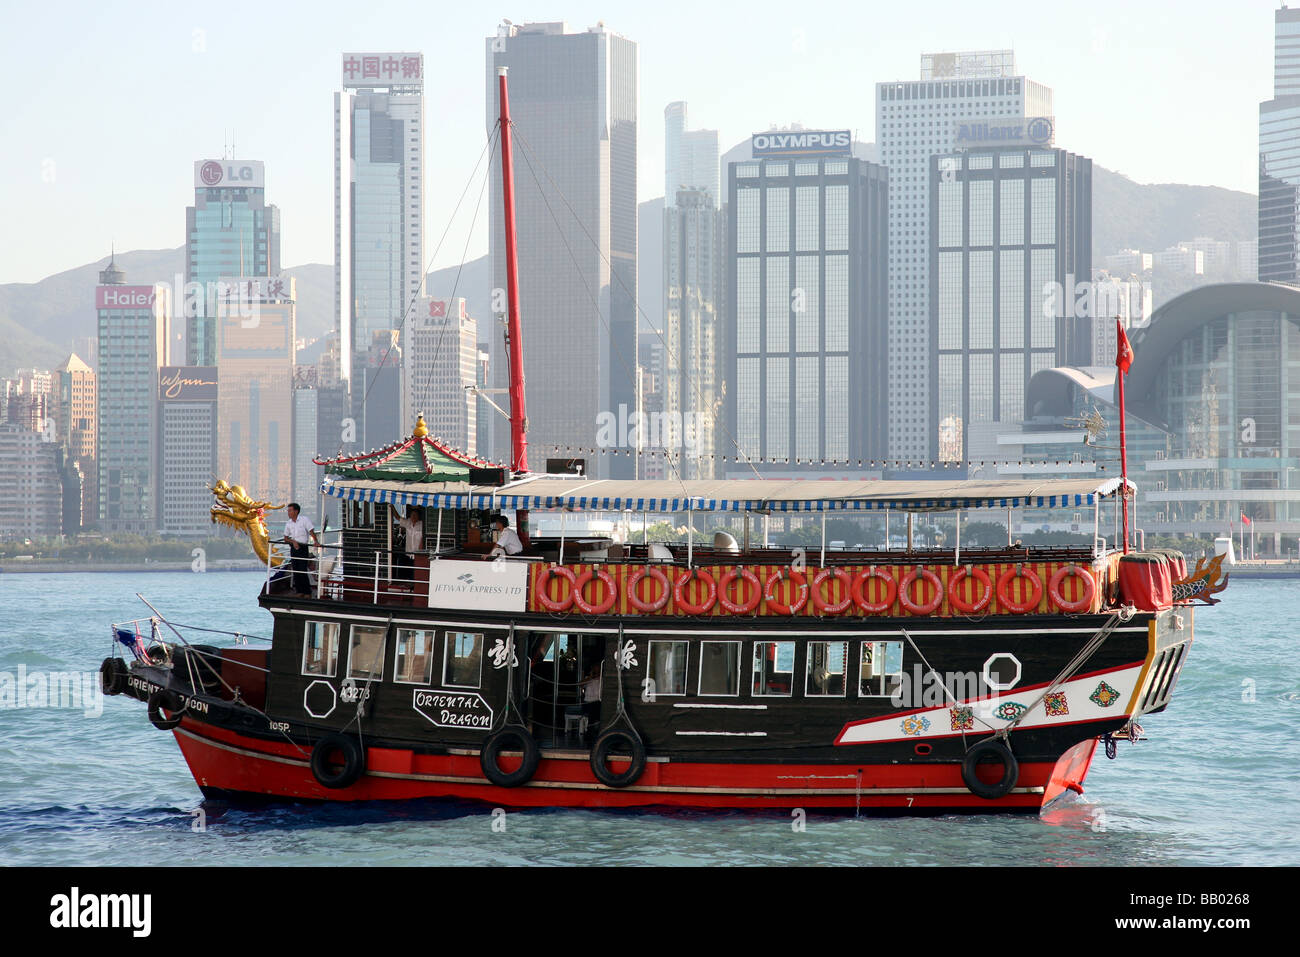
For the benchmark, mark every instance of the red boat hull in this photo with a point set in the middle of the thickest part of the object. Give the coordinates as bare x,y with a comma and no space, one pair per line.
228,764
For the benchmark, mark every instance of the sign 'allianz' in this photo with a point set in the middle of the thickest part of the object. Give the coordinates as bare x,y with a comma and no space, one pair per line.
802,143
492,586
1031,131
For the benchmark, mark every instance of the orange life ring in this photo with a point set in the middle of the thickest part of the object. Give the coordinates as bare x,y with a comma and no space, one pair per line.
1004,590
755,593
1058,595
679,592
905,591
859,590
611,591
780,607
549,603
846,582
665,589
954,595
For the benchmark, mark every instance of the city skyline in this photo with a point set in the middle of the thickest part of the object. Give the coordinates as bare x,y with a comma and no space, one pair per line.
1130,86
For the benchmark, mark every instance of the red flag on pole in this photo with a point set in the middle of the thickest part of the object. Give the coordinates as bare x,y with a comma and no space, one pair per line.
1124,356
1246,520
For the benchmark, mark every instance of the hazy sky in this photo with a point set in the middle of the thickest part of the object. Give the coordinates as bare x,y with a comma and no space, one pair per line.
109,104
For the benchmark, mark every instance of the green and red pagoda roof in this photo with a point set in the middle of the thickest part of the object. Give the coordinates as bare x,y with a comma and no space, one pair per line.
417,458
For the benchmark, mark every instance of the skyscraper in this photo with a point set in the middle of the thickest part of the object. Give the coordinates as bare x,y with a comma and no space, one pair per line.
1279,156
229,231
960,100
1012,241
75,418
256,324
378,206
441,359
806,330
690,156
691,384
573,101
187,460
133,326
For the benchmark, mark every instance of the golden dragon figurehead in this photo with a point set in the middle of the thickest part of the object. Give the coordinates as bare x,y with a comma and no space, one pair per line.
235,508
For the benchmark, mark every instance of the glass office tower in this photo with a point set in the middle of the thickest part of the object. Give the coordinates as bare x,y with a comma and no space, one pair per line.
229,231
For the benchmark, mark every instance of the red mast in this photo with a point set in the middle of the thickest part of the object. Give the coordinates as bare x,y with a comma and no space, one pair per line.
1123,360
514,337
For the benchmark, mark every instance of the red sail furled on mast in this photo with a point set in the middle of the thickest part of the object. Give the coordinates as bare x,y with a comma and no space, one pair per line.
514,337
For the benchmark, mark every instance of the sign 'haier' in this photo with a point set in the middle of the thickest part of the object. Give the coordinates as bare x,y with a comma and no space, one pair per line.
229,174
802,143
1030,131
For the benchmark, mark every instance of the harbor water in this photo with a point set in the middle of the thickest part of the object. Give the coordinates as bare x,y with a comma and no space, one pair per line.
86,780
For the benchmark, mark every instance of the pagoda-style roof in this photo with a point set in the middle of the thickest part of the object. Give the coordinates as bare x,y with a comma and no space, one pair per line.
418,458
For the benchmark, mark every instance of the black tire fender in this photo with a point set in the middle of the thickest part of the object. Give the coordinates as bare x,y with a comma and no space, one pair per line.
166,699
605,745
112,676
996,748
489,757
325,772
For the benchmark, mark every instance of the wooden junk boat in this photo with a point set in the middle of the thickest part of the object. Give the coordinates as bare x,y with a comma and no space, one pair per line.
745,676
583,673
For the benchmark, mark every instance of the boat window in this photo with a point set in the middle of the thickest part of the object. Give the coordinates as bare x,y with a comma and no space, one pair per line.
463,665
881,673
719,668
667,668
414,656
826,667
366,653
773,667
320,649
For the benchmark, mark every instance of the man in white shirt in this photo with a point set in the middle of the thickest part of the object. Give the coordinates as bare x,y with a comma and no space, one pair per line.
508,542
297,531
413,527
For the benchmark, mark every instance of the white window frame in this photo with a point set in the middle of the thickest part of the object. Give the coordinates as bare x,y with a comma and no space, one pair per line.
740,659
686,666
883,674
807,673
397,655
378,674
754,671
306,632
449,643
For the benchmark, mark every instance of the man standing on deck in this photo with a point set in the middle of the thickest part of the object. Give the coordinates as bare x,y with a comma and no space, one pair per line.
508,542
296,532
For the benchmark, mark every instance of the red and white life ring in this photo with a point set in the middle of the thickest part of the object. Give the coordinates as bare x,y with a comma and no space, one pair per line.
860,593
755,591
1004,590
780,607
905,591
611,591
1057,592
846,586
635,600
543,580
693,608
954,593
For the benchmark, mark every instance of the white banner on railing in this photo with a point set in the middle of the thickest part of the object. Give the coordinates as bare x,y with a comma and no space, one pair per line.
488,586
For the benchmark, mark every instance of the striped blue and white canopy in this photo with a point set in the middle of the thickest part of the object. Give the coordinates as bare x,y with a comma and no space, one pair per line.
733,495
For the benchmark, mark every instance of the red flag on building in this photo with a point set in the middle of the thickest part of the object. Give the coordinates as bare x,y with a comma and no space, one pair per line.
1245,519
1124,356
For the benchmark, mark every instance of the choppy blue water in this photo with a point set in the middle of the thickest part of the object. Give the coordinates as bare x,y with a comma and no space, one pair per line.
1214,785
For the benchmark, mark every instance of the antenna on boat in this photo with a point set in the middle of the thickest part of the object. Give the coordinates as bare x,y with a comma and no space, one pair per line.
514,336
